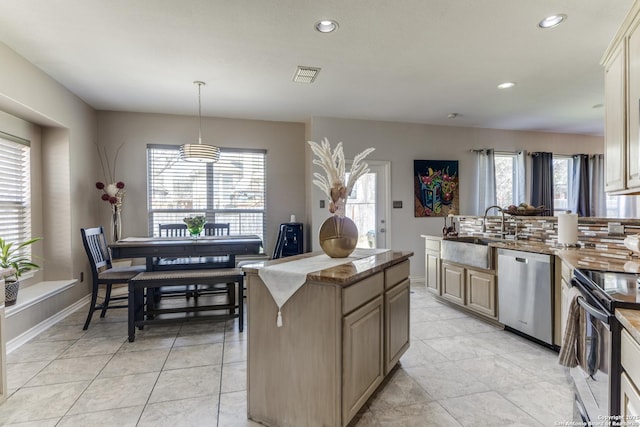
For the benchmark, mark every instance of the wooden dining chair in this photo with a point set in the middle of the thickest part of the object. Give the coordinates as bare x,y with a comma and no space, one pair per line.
216,229
172,230
103,273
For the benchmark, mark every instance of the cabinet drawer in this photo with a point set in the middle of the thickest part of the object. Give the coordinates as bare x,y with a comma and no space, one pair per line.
359,293
396,274
630,356
432,245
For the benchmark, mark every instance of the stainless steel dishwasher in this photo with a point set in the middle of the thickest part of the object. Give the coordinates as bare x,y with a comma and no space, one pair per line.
525,293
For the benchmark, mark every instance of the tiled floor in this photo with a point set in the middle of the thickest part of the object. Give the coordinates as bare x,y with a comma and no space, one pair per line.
458,372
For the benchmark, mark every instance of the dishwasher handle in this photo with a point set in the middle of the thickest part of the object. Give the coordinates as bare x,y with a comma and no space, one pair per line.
524,260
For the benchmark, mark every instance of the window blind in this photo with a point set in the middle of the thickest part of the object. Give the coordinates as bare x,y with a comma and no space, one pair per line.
232,190
15,191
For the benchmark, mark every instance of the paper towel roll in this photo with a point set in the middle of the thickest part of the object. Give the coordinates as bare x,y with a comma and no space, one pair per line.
567,229
293,218
632,242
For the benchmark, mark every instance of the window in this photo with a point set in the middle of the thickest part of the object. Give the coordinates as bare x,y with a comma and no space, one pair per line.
15,191
562,167
505,179
231,190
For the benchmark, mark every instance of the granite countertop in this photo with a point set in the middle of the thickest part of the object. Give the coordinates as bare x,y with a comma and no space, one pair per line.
343,274
594,258
630,319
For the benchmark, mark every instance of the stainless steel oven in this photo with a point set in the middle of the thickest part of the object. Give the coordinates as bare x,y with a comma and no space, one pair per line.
597,376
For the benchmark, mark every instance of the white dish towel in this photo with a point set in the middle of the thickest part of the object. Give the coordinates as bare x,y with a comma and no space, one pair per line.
284,279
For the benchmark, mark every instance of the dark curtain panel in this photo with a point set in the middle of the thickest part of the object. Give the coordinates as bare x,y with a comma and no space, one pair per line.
579,185
542,181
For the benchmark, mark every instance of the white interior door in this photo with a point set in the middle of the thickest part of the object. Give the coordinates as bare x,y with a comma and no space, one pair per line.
369,207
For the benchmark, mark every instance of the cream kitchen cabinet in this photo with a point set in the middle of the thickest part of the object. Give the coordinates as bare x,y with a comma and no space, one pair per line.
481,293
396,309
630,378
432,263
471,288
453,288
363,349
622,108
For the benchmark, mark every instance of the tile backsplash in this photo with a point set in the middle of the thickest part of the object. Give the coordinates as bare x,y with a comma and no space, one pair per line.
592,232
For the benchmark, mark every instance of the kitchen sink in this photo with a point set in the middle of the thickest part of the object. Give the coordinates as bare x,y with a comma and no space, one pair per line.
484,241
468,250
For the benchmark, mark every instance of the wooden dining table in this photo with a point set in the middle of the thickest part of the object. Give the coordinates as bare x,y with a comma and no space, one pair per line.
204,250
210,259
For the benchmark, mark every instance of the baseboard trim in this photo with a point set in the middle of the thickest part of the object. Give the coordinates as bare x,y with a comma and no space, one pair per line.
46,324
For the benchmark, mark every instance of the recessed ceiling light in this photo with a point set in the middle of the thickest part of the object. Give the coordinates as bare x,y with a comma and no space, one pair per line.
506,85
326,26
452,115
552,21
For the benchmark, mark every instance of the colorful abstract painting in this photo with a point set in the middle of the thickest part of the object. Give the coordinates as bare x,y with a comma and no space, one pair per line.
435,187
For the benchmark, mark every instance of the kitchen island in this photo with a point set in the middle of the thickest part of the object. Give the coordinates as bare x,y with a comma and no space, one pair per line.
317,360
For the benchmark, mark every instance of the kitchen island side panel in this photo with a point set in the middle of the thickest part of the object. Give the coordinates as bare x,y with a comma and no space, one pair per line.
294,372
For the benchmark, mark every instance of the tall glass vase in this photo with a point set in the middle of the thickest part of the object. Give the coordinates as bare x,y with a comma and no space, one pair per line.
116,223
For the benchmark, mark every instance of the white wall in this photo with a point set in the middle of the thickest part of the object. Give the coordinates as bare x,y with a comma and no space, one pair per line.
403,143
283,141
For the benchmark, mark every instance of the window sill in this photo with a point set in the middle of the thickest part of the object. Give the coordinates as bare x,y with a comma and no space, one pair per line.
31,295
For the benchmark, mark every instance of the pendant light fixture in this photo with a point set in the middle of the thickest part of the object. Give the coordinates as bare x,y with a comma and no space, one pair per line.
199,152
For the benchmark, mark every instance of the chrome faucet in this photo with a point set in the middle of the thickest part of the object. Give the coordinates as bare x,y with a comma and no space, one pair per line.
484,220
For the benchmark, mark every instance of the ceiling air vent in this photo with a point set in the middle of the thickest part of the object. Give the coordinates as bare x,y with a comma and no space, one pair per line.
305,74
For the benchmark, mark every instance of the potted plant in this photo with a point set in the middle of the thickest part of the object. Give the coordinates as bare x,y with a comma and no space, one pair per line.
11,257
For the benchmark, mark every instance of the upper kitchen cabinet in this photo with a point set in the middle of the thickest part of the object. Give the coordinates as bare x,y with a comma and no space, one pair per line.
622,103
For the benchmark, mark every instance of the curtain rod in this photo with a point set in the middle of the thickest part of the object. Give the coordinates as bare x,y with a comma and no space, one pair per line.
482,150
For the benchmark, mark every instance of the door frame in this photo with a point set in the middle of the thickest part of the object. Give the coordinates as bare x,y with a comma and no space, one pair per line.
383,169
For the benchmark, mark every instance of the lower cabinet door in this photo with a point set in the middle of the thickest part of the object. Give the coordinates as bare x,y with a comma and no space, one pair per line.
433,272
481,292
453,283
396,308
629,400
363,351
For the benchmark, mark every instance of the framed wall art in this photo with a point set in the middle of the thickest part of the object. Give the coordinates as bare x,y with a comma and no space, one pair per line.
435,187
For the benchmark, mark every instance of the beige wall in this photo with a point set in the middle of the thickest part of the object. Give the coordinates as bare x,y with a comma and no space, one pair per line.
402,143
70,168
68,126
283,141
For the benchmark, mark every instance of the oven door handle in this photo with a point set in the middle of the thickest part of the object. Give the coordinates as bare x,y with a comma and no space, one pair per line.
598,314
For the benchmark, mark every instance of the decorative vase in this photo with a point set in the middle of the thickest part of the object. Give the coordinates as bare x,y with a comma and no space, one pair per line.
116,223
195,230
338,234
11,292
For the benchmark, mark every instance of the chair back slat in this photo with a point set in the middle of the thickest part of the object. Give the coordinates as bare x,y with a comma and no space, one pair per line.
216,229
172,230
95,245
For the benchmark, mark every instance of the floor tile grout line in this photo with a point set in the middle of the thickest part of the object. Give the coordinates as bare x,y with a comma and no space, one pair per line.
90,382
224,342
155,383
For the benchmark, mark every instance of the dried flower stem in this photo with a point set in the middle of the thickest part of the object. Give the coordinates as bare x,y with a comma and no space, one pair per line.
333,164
109,174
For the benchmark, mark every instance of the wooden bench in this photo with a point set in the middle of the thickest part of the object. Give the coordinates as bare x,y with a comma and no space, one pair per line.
141,314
